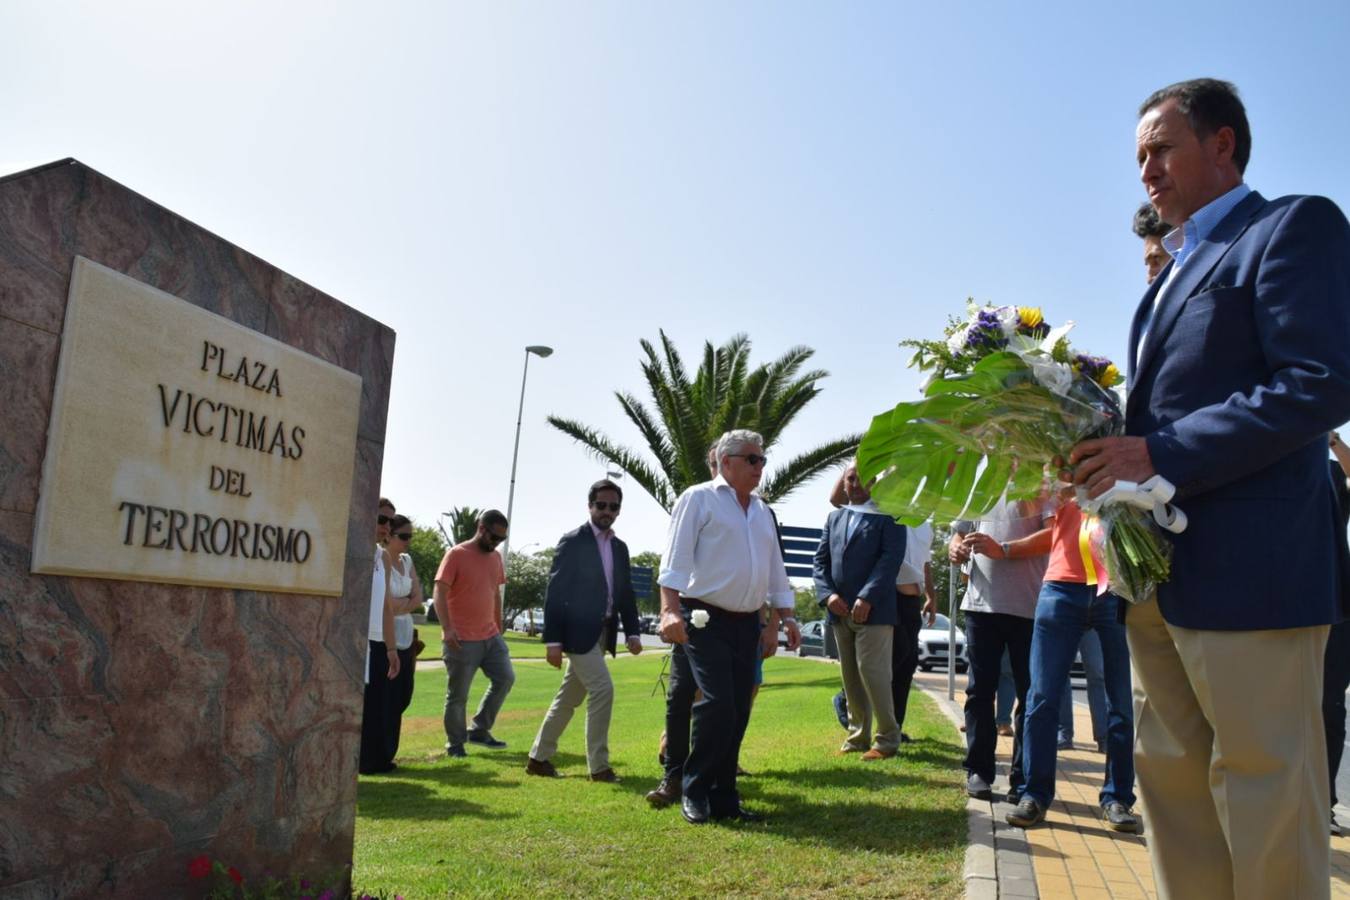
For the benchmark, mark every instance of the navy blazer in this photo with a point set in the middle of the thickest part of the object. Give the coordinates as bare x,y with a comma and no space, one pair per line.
1245,368
865,565
574,605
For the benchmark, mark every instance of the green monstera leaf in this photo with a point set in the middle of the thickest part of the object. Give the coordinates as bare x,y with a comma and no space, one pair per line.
978,439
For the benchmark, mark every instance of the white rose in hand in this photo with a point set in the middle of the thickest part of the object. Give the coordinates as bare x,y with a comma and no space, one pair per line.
699,618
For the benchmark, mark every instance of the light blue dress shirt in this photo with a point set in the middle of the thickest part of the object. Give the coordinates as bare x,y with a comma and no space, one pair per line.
1181,242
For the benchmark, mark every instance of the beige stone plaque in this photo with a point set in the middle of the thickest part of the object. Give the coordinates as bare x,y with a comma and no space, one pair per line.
185,448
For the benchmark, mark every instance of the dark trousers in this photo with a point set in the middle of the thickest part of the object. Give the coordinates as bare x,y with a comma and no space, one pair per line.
400,695
1335,680
375,753
905,651
721,657
987,636
679,705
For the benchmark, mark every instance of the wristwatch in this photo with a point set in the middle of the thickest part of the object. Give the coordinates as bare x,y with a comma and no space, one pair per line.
1004,545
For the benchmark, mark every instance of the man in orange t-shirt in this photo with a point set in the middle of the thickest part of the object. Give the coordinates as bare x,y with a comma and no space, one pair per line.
471,633
1070,603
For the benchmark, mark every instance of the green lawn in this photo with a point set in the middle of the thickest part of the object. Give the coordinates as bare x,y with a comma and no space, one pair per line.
521,646
479,827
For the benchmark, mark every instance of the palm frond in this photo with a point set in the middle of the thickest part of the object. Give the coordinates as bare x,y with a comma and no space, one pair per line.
604,449
800,469
652,433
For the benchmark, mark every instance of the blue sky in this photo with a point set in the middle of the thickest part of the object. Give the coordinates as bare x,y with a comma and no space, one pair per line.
485,176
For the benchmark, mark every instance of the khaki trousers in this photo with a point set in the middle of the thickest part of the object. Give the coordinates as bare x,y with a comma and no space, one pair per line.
865,663
584,675
1231,759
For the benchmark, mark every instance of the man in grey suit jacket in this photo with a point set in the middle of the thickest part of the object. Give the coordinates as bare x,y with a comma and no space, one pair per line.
1240,365
590,588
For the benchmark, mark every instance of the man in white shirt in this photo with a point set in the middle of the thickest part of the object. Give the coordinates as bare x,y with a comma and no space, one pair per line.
722,562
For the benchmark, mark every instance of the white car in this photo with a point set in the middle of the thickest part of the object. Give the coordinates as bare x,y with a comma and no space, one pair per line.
933,645
522,623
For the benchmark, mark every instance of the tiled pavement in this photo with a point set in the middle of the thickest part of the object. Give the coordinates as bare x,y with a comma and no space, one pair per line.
1072,855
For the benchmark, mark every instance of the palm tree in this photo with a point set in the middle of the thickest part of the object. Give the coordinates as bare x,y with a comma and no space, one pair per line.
463,523
688,416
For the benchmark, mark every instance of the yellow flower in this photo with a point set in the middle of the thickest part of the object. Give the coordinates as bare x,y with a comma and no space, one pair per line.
1110,375
1030,316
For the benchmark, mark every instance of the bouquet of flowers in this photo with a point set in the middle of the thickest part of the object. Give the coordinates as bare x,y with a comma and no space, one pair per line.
1006,397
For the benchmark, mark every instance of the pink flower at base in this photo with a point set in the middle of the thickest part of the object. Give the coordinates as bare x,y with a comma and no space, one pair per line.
199,866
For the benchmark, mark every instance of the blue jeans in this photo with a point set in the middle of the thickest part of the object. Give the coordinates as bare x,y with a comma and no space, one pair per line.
1090,648
1064,612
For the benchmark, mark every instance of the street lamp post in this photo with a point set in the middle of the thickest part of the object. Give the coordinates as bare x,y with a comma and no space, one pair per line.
541,352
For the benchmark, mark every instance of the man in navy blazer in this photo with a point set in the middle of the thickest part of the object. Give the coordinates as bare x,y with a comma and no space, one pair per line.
1240,365
856,565
590,588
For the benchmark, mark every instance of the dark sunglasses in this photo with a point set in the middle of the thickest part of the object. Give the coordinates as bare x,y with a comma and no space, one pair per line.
384,520
406,536
602,505
753,459
496,538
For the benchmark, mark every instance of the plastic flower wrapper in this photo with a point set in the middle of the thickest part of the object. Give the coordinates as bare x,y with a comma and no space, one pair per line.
1007,399
1137,555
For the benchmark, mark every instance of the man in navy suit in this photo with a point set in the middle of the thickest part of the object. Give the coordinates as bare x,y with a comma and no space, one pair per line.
1240,365
590,588
855,568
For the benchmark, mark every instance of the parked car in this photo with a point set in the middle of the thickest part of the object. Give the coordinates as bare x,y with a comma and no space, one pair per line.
649,624
813,638
933,645
523,624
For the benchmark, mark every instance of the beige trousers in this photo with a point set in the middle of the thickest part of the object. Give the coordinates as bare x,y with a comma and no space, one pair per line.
1231,759
584,675
865,663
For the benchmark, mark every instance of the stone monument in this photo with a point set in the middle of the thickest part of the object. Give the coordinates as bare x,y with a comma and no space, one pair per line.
190,451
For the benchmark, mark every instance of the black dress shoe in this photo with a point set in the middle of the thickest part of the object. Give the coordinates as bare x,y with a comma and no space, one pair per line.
740,814
695,811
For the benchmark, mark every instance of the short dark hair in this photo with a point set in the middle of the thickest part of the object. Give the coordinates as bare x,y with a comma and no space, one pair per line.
385,501
1147,224
490,517
397,522
1209,104
604,484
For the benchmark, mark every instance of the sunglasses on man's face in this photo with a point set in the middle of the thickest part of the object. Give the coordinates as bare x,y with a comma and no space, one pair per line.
602,505
406,536
753,459
384,520
496,538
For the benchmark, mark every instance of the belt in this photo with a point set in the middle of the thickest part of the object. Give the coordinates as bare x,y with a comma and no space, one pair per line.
691,603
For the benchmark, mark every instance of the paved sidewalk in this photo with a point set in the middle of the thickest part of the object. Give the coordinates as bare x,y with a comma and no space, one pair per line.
1072,855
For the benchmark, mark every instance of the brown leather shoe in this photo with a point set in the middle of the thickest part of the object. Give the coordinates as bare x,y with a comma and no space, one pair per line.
875,754
666,793
608,776
541,767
